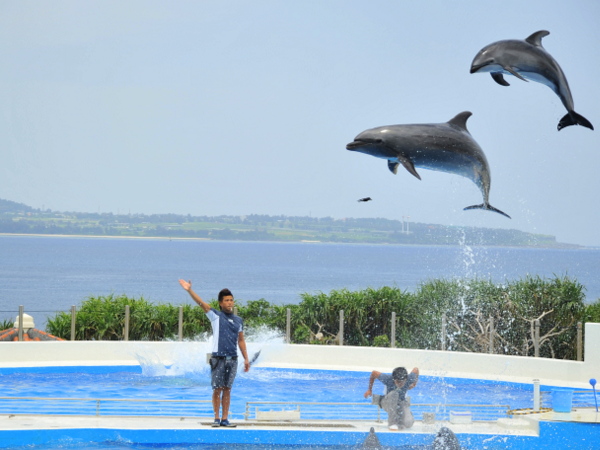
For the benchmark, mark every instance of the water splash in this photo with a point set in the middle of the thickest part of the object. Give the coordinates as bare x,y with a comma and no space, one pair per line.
189,357
468,255
268,341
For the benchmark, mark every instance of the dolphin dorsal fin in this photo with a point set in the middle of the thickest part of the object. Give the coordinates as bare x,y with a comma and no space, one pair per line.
536,38
460,120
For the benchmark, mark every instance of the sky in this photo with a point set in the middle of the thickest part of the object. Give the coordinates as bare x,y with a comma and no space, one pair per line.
237,107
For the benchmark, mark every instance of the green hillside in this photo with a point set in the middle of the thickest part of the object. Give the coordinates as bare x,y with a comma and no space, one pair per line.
17,218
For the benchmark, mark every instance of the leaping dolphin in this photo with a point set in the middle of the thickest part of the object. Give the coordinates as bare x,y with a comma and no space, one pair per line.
529,60
445,147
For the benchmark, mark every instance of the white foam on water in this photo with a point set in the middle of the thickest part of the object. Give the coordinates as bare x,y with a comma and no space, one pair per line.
267,341
190,357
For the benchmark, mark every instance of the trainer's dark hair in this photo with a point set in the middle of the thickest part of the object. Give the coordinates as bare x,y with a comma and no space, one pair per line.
399,374
224,293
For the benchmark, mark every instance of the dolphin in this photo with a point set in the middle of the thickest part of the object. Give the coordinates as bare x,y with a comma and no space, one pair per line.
528,60
445,147
445,440
372,441
255,357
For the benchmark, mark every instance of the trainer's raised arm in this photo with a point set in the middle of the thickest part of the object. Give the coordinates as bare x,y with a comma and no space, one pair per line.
187,285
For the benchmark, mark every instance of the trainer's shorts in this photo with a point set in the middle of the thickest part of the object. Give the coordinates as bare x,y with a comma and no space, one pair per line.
223,372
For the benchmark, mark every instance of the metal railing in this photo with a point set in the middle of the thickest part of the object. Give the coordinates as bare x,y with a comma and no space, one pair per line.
582,398
315,410
255,410
347,411
332,411
105,406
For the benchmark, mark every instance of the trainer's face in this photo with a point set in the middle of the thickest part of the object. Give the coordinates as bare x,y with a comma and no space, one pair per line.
399,383
227,304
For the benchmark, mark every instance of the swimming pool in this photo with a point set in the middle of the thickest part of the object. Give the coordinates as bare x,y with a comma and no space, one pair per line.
258,385
177,372
179,391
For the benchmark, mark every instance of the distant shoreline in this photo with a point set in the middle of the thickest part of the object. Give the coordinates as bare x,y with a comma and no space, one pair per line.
95,236
303,241
21,220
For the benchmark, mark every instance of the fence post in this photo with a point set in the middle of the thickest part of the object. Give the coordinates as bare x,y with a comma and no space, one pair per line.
491,348
444,332
536,339
536,395
579,342
73,320
180,331
288,326
341,332
21,311
126,333
393,331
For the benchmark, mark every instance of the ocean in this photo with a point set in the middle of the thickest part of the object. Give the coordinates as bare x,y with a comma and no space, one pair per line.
48,274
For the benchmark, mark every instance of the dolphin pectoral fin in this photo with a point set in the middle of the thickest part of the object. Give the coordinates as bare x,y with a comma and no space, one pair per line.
393,166
408,165
515,73
572,118
487,207
498,78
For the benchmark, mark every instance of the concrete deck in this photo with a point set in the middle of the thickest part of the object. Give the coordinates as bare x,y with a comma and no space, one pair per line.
530,431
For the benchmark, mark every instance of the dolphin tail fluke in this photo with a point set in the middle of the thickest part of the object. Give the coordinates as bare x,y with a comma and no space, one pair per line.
572,118
487,207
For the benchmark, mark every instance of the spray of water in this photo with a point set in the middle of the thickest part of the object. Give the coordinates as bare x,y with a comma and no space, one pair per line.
468,256
189,357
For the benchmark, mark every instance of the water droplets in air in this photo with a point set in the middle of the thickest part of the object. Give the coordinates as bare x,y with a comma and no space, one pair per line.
189,357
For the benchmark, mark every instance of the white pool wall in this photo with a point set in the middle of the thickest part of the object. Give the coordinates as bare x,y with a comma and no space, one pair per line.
430,362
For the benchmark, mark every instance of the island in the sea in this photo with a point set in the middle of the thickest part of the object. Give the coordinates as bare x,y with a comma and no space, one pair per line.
17,218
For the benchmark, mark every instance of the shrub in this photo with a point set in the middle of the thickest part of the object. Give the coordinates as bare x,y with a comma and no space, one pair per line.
103,318
467,305
381,341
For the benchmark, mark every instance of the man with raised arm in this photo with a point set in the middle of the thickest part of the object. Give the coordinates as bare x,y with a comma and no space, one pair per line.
228,334
395,402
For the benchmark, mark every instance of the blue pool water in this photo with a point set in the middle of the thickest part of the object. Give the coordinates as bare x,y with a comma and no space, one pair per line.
132,446
258,385
123,446
261,384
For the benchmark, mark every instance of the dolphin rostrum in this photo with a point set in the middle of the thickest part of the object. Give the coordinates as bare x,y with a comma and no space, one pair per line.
528,60
445,147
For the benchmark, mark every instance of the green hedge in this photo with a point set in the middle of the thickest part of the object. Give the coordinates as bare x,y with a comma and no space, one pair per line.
467,305
103,318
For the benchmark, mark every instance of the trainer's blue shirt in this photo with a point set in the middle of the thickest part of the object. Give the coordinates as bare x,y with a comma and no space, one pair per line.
390,386
226,328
